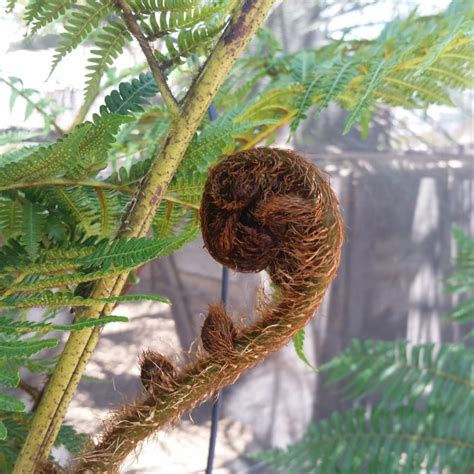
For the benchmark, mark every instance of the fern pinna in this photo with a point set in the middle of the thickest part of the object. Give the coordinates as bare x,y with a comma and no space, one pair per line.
76,204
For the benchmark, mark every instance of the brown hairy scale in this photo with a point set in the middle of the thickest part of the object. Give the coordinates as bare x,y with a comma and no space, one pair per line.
218,333
261,209
156,373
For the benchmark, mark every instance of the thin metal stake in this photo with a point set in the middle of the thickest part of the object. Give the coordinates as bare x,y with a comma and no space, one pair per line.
217,405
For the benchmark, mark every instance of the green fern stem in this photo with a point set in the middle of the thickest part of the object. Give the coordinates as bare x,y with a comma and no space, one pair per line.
79,347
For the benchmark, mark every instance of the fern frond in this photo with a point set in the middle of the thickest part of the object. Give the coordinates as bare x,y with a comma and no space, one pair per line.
171,21
109,45
61,281
11,404
59,300
79,25
131,96
20,136
11,218
11,5
8,326
189,42
80,153
462,280
146,6
25,347
128,254
47,12
441,377
403,440
32,228
9,373
371,81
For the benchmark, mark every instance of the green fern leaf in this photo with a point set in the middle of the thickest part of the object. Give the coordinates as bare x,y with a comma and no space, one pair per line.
33,10
146,6
335,82
9,373
3,431
32,228
53,300
72,440
79,26
10,7
109,45
8,326
11,218
403,440
298,342
131,96
128,254
370,83
9,403
25,348
49,11
9,138
442,42
416,373
44,161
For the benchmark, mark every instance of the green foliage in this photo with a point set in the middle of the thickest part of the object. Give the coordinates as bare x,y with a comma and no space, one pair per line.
361,440
462,280
298,341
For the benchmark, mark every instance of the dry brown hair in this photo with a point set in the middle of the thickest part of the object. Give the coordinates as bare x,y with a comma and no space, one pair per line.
261,209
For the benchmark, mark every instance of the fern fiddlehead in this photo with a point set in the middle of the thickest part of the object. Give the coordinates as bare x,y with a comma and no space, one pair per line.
262,208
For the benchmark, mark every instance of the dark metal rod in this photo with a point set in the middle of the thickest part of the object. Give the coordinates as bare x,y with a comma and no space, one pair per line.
217,405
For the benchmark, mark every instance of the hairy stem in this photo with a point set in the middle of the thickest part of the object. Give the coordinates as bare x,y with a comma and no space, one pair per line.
59,392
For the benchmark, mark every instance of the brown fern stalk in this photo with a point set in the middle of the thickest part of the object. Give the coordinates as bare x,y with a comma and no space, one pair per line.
262,208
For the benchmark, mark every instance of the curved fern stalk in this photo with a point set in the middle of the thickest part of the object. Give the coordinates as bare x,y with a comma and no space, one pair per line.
50,413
